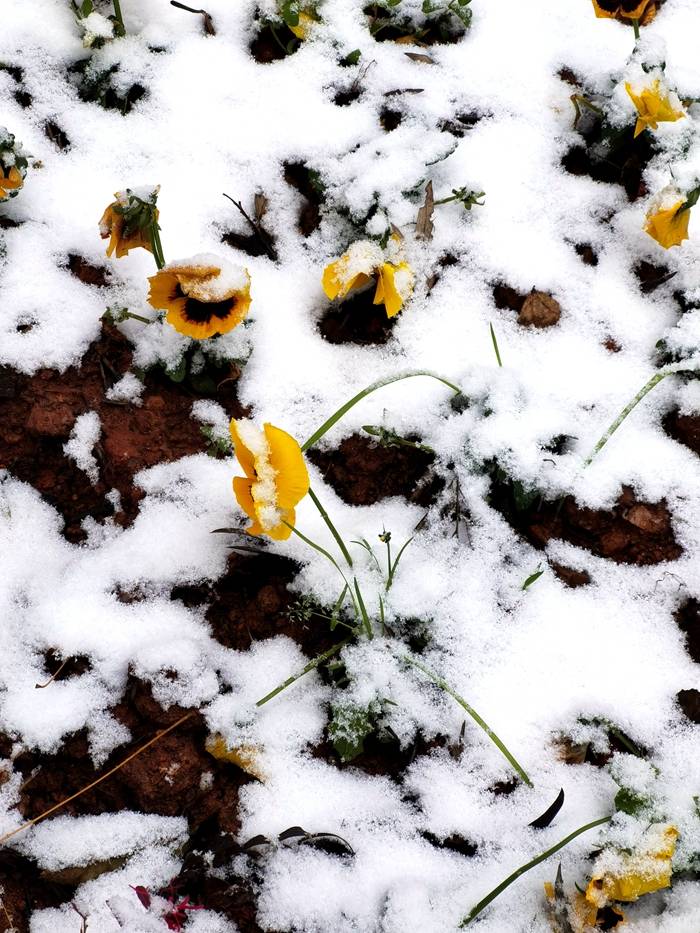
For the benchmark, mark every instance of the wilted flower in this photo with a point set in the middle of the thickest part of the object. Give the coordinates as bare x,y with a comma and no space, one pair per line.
624,876
203,295
302,27
130,221
626,10
364,261
13,165
668,217
276,478
655,104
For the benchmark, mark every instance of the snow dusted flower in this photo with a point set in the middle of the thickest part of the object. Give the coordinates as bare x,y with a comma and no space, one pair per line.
303,26
13,165
203,295
275,480
667,217
655,104
129,221
626,10
624,876
364,261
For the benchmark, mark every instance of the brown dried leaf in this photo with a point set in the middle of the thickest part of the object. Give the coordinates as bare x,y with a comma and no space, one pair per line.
79,874
424,221
260,203
539,310
417,57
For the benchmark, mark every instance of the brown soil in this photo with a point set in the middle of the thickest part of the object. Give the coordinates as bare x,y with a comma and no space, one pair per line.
357,319
633,532
688,619
300,177
363,472
37,414
685,429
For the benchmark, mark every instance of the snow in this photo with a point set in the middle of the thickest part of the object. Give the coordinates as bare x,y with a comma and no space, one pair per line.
530,662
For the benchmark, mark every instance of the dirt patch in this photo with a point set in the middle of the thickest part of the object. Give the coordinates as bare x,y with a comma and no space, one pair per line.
306,181
685,429
357,320
363,472
37,414
688,618
633,532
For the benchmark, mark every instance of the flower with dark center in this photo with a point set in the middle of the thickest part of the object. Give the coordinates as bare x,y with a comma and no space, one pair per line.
626,10
203,296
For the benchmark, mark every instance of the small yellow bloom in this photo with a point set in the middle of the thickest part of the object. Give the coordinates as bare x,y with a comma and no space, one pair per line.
245,757
574,910
666,222
365,261
625,876
124,232
626,10
654,105
203,296
13,181
275,480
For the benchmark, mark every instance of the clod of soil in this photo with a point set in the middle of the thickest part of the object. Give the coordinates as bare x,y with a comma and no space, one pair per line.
571,577
343,97
357,320
273,43
685,429
689,702
37,414
633,532
688,618
390,119
624,165
363,472
539,310
588,255
88,273
305,181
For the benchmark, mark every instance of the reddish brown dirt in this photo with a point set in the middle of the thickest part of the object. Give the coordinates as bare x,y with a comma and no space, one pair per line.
363,472
685,429
37,414
633,532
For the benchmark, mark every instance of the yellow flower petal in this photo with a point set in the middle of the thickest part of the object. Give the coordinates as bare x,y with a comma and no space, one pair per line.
243,454
281,532
386,292
653,106
245,757
286,458
634,874
669,227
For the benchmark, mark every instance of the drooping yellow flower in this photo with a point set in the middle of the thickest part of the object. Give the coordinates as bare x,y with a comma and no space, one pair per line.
126,222
203,295
573,912
654,105
13,181
275,480
364,261
626,876
245,757
626,10
667,221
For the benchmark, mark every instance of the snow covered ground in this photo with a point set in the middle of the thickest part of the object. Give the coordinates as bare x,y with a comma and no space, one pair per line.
533,662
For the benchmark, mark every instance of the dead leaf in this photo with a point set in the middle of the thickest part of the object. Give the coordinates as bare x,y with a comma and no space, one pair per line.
539,310
424,221
79,874
417,57
260,203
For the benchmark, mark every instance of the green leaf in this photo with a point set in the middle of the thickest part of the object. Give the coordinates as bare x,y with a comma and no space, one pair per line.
630,802
531,579
349,727
86,8
352,58
179,372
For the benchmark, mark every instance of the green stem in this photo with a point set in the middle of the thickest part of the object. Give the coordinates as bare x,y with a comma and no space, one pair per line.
140,317
436,679
316,662
495,344
156,245
635,25
344,409
484,902
392,568
363,610
655,380
333,530
120,29
388,563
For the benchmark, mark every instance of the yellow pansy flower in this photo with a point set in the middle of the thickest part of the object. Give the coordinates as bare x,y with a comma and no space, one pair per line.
667,221
626,10
654,105
203,295
13,181
275,480
626,876
245,757
301,30
365,261
126,222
